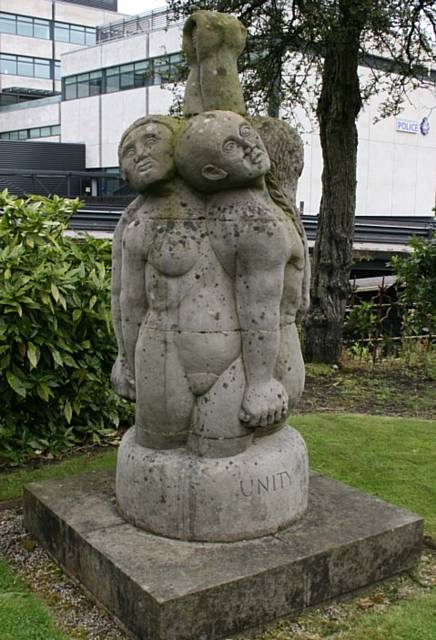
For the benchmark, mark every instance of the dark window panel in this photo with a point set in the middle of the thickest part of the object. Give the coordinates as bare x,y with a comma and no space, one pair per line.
71,91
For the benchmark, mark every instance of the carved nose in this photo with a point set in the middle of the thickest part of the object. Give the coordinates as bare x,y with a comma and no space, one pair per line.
140,154
248,147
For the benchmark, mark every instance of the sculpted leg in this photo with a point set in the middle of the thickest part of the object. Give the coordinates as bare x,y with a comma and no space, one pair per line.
217,431
290,366
164,401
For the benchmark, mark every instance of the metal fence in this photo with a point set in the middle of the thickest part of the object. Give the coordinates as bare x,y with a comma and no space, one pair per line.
143,23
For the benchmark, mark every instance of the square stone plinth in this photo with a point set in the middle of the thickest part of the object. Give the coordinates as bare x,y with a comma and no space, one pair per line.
162,589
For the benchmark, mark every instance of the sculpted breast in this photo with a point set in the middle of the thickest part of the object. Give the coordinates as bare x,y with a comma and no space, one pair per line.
175,248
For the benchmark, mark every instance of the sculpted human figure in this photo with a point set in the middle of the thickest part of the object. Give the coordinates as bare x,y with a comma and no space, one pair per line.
146,161
259,247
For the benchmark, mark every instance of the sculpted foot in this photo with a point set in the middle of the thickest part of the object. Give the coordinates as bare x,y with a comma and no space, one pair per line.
264,404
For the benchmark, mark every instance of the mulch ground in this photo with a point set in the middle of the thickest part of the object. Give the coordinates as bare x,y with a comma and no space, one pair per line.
378,391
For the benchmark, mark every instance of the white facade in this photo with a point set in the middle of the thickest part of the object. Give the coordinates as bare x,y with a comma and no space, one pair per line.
396,166
98,121
23,49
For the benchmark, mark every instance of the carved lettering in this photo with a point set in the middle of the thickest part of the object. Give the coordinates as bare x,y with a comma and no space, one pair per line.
262,485
268,484
247,495
286,474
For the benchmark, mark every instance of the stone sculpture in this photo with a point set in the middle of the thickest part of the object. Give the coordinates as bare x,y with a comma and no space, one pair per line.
209,271
212,43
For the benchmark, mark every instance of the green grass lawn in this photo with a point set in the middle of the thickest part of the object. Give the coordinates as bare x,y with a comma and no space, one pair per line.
22,615
391,458
11,482
412,620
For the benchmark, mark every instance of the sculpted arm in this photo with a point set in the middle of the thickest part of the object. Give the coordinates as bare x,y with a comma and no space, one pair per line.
260,267
122,378
133,299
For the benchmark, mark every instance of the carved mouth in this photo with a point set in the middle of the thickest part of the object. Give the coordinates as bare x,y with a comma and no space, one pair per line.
256,156
144,166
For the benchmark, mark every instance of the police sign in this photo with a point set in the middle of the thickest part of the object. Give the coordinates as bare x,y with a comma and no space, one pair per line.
407,126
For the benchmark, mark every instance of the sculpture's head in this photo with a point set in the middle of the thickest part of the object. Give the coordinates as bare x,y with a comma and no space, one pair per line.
146,152
205,32
220,150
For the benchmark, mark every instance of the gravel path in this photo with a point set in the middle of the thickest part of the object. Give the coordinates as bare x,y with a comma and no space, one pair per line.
74,612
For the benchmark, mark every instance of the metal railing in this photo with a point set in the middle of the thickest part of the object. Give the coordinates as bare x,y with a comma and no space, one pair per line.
142,23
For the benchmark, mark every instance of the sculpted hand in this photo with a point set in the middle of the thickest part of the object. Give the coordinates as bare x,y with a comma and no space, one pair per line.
122,380
264,404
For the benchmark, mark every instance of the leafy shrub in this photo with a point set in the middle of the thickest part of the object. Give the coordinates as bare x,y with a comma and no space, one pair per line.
417,273
56,344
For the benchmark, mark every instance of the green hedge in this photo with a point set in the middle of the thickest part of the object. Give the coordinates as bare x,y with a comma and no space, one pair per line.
56,342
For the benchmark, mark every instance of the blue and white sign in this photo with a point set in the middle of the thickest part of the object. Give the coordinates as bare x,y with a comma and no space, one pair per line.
424,126
407,126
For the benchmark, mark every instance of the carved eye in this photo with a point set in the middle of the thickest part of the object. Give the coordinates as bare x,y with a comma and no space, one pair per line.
129,152
150,140
245,130
230,146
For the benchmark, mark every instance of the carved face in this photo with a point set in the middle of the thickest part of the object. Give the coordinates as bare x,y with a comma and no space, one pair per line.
241,152
147,156
221,150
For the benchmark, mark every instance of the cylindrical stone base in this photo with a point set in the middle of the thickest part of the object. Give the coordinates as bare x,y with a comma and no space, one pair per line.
175,494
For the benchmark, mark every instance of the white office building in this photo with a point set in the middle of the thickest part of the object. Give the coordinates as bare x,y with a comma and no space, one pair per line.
34,35
120,71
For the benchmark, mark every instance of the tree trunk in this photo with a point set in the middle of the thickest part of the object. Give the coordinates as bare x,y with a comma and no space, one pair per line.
338,107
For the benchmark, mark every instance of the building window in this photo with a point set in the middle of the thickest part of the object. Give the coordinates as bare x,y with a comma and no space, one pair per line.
61,32
25,66
24,26
8,23
70,88
112,79
95,83
154,71
41,29
143,73
30,27
30,134
8,64
74,33
90,35
83,85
